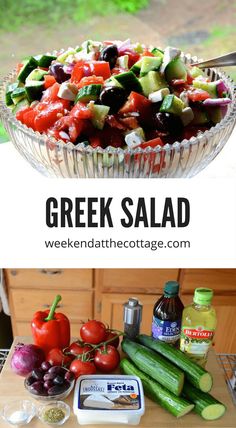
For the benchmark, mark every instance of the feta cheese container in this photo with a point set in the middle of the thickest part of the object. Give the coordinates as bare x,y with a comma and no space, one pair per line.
108,399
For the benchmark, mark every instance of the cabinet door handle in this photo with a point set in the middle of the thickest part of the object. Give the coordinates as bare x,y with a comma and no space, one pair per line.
51,272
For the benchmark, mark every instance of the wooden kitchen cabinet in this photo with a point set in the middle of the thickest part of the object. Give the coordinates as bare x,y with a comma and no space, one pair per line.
220,280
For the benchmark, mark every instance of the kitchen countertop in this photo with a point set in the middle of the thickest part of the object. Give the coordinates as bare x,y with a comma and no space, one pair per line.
12,388
223,166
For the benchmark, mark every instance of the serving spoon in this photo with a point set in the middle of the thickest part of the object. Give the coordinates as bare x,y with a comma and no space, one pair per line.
220,61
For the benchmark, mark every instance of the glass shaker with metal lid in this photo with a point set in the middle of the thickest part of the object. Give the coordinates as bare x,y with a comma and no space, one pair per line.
132,317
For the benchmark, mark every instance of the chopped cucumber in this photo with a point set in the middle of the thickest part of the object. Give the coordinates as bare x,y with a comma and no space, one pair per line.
176,70
123,61
88,93
195,72
187,116
17,95
169,55
129,81
157,52
36,74
100,113
9,91
46,60
200,116
210,87
112,82
215,114
64,55
34,89
177,406
136,67
172,104
152,82
150,63
29,65
208,407
20,105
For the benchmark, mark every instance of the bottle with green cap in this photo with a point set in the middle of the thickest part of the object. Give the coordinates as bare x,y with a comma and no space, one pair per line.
198,326
167,314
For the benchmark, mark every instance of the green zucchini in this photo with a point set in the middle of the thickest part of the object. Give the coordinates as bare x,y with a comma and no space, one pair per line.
155,366
88,93
129,81
195,374
177,406
205,405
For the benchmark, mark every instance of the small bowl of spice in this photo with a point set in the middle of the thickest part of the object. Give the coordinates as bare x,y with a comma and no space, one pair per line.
19,412
55,413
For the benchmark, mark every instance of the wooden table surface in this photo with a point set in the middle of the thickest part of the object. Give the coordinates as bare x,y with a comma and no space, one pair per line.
12,388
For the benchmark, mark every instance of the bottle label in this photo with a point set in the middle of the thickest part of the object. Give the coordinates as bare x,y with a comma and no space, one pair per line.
196,341
167,331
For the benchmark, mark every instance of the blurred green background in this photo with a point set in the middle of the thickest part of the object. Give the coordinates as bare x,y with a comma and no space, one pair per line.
204,28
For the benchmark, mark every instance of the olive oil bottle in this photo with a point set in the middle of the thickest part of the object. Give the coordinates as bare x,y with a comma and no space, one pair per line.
198,326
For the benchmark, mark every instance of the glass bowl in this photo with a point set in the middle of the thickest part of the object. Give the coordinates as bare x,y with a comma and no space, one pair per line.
50,398
19,412
182,159
59,405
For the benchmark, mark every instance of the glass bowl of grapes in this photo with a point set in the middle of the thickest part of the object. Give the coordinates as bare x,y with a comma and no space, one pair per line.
49,383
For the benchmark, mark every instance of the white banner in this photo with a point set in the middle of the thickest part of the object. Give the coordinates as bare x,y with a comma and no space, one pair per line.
137,232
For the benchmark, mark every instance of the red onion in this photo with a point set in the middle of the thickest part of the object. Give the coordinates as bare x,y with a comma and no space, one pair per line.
215,102
26,358
221,88
68,68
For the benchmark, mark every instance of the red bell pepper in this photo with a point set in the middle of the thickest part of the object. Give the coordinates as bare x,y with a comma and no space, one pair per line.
50,329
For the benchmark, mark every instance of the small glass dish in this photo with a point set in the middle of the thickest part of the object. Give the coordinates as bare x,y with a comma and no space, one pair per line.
44,397
19,412
44,412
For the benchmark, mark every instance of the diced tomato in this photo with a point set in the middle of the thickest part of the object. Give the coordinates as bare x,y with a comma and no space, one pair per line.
112,137
133,56
129,122
117,70
114,123
50,94
81,111
100,68
75,129
70,125
152,143
91,80
146,52
136,103
77,72
48,116
20,113
95,141
189,79
49,80
29,118
198,95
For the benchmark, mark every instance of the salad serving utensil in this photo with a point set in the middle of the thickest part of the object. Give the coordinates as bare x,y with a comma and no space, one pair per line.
226,60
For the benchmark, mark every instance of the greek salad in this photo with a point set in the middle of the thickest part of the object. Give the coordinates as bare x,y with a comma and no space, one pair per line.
119,94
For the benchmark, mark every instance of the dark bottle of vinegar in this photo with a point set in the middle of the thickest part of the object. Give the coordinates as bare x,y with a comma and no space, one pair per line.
167,315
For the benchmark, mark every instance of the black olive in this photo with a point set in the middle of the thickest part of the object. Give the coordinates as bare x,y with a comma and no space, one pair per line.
114,97
58,380
110,54
56,69
168,122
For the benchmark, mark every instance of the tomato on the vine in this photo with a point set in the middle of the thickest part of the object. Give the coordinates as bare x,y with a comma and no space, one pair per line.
107,358
79,367
76,348
93,332
114,339
56,357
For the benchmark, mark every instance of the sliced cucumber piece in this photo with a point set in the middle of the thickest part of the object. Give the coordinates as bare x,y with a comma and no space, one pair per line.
88,93
136,67
29,65
36,74
195,72
200,116
34,89
204,404
112,82
100,113
46,60
176,69
157,52
150,63
170,54
18,94
210,87
64,55
20,105
152,82
10,89
187,116
172,104
129,81
215,114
